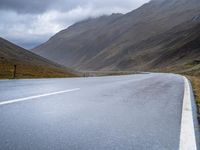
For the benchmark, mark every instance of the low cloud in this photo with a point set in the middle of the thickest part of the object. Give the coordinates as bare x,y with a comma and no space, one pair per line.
29,23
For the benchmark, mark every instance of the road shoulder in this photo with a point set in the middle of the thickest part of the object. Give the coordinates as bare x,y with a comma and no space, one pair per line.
189,126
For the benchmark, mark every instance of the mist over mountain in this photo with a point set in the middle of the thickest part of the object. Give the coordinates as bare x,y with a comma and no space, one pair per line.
161,33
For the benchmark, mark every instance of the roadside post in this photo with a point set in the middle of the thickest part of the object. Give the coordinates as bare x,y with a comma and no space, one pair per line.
14,71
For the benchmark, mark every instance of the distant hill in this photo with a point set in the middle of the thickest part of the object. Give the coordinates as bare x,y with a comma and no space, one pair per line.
27,63
160,34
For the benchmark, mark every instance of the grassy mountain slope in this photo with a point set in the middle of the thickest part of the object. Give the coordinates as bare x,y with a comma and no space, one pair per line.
27,63
177,48
117,42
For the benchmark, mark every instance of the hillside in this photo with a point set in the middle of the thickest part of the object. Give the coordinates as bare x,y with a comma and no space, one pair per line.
27,63
176,49
156,35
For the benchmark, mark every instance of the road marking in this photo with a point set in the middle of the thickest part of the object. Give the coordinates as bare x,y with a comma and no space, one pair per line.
37,96
187,135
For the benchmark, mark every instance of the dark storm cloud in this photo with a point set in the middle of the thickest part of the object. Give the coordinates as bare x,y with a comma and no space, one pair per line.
35,6
23,6
40,6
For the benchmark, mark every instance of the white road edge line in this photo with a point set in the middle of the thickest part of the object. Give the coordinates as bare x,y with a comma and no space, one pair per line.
187,135
37,96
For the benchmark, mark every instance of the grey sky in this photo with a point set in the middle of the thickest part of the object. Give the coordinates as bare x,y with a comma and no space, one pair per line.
31,22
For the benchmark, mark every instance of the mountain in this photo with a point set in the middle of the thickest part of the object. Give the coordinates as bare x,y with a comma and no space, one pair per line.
156,35
27,63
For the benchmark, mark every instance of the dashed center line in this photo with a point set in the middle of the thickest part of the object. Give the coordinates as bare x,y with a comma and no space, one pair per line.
36,96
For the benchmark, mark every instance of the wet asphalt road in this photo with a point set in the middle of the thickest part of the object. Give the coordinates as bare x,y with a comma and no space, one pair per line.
133,112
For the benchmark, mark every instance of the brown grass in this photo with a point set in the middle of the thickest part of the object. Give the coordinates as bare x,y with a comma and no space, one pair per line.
31,71
196,88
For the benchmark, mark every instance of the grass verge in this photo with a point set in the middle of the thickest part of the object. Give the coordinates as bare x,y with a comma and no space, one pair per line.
195,80
32,71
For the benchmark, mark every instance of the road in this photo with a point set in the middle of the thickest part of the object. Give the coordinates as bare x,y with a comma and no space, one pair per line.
132,112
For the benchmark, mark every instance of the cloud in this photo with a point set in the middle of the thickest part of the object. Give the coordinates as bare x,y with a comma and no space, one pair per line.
31,22
33,6
41,6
